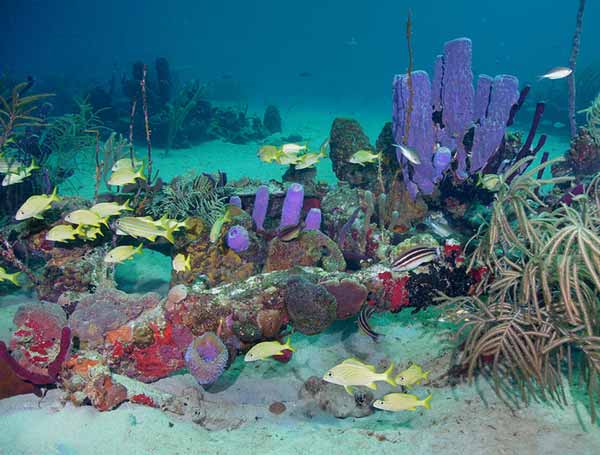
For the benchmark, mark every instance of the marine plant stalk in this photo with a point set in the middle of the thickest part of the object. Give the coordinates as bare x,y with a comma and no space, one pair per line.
7,253
409,83
146,123
131,117
572,65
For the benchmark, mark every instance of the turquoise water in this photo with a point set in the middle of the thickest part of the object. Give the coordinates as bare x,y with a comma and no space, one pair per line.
316,62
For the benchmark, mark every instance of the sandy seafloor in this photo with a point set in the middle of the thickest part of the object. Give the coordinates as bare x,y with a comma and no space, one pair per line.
464,419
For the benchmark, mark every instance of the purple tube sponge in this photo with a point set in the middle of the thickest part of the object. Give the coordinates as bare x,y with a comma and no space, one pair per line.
441,162
261,205
313,220
235,200
457,97
206,358
482,96
292,205
489,134
238,239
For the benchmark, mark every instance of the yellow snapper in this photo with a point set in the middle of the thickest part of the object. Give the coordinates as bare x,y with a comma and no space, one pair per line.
408,153
230,211
86,217
266,349
268,153
288,158
144,227
106,209
125,176
490,182
21,174
414,374
35,205
126,163
63,232
181,263
292,148
169,223
122,253
364,156
12,277
9,165
308,160
353,372
401,402
90,232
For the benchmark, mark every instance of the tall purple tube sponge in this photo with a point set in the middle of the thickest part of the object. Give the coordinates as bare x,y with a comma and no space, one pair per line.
313,220
457,98
261,206
206,358
420,136
238,239
504,93
292,205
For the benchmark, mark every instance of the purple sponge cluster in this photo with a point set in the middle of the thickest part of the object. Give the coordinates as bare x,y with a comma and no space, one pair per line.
444,111
238,239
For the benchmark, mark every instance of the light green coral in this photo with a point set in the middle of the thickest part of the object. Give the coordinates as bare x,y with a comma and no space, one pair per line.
593,119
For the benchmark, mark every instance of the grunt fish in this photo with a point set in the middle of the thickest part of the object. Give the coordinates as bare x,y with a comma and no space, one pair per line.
19,174
35,205
122,253
181,263
415,257
408,153
414,374
363,157
366,311
126,175
401,402
63,232
107,209
292,148
266,349
144,227
559,72
85,217
352,372
269,153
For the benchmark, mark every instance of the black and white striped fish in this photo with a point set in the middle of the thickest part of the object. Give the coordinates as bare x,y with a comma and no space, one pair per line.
415,257
366,311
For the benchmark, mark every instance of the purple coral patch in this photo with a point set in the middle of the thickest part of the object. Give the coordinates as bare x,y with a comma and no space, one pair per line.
206,358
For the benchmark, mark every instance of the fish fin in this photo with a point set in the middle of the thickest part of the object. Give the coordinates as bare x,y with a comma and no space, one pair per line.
348,389
187,265
38,217
411,409
354,361
372,386
288,345
126,205
388,375
427,402
140,173
138,249
79,230
13,278
169,235
54,196
426,376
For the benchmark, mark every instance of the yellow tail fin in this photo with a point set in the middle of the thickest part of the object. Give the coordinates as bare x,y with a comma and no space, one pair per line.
288,346
427,402
54,196
13,278
389,375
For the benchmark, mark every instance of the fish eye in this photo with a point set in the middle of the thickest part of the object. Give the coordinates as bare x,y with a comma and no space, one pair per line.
402,378
329,374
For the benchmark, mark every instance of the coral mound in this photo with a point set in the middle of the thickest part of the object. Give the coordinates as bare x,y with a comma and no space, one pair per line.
206,358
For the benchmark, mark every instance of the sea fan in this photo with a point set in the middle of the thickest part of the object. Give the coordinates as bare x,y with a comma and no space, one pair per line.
190,195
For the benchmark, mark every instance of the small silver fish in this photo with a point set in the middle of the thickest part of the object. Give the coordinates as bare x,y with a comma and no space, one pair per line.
559,72
408,153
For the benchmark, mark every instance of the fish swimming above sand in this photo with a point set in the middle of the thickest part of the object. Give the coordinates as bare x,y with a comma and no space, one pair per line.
11,277
181,263
363,157
36,205
267,349
126,163
559,72
308,160
401,402
352,372
122,253
408,153
414,374
108,209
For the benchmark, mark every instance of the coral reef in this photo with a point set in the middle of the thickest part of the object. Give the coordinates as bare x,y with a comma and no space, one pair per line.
310,306
272,119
